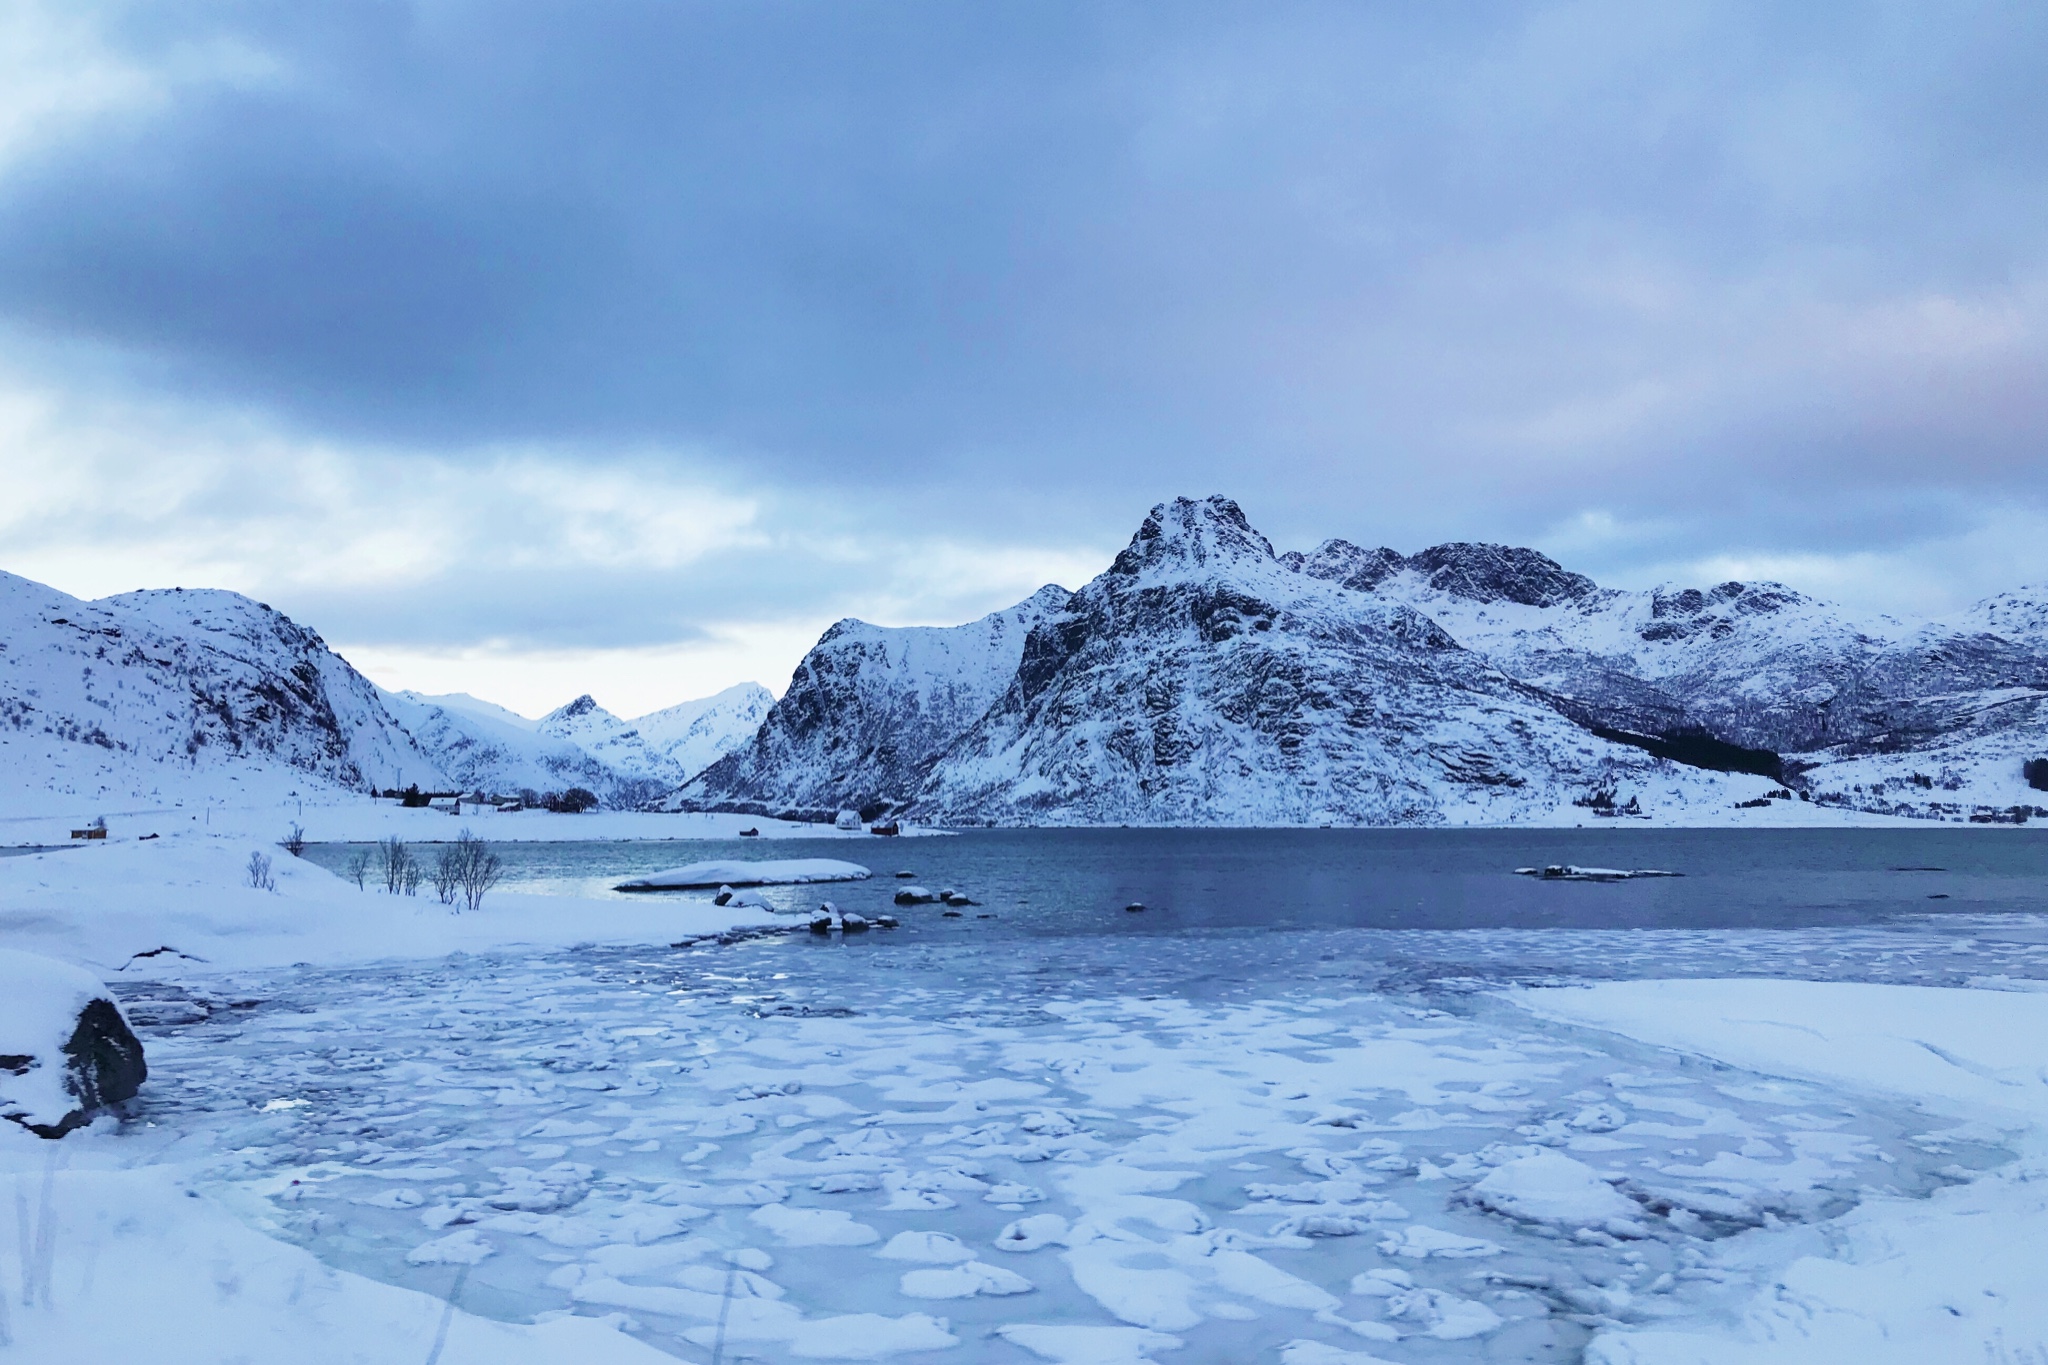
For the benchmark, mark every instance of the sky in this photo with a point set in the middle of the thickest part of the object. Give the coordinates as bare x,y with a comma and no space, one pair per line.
533,349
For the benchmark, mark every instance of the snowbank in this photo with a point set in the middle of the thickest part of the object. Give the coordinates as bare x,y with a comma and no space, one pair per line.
187,896
1958,1276
734,872
127,1265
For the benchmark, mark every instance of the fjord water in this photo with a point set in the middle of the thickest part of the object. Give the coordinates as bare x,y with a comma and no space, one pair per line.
1063,882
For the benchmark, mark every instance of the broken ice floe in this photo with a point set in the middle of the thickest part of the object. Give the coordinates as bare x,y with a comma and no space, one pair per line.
1568,872
735,873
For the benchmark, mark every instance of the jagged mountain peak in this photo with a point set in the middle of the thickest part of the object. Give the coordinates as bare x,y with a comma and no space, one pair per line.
1348,565
1192,533
583,706
1484,572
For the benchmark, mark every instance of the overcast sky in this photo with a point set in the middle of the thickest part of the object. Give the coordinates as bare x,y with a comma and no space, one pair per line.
533,349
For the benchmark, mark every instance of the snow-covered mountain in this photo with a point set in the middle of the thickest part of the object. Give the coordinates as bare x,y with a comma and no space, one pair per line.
869,710
613,742
1754,664
1200,680
482,747
695,734
176,693
1204,679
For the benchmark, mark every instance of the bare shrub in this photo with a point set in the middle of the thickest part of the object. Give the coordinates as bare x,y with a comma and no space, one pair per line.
294,843
358,868
259,873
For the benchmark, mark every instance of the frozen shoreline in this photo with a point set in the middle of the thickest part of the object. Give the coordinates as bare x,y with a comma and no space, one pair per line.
1174,1171
1955,1277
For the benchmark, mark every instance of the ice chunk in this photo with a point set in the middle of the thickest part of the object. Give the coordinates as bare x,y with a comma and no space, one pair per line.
1029,1234
1441,1315
733,873
1549,1187
929,1248
963,1281
1418,1242
813,1227
1088,1345
457,1248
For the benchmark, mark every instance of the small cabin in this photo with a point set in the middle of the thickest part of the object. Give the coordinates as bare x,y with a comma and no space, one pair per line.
97,833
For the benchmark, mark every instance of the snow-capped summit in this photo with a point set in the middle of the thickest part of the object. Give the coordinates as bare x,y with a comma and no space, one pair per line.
695,734
1191,536
611,741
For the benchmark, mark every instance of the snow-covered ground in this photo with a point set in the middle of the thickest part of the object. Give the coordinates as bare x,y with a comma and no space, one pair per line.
190,893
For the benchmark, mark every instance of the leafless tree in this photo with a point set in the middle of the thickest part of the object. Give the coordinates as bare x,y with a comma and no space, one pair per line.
410,882
259,873
478,869
358,869
393,858
448,873
295,842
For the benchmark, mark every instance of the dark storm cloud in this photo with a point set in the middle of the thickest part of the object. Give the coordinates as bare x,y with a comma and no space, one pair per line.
1400,272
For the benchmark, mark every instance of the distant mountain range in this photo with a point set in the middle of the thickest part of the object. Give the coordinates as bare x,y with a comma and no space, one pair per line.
183,694
1200,679
1204,679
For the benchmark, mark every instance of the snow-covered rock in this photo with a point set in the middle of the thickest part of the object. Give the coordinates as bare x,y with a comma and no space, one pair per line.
65,1048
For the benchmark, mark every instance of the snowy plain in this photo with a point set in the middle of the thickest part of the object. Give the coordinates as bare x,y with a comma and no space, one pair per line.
1327,1147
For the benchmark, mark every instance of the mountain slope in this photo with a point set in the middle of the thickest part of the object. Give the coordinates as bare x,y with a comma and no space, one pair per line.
868,711
695,734
1751,664
176,692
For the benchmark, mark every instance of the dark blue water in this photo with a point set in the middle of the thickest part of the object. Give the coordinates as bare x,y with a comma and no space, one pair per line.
1077,882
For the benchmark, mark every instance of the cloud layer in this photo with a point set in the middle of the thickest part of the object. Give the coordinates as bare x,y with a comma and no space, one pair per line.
570,329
